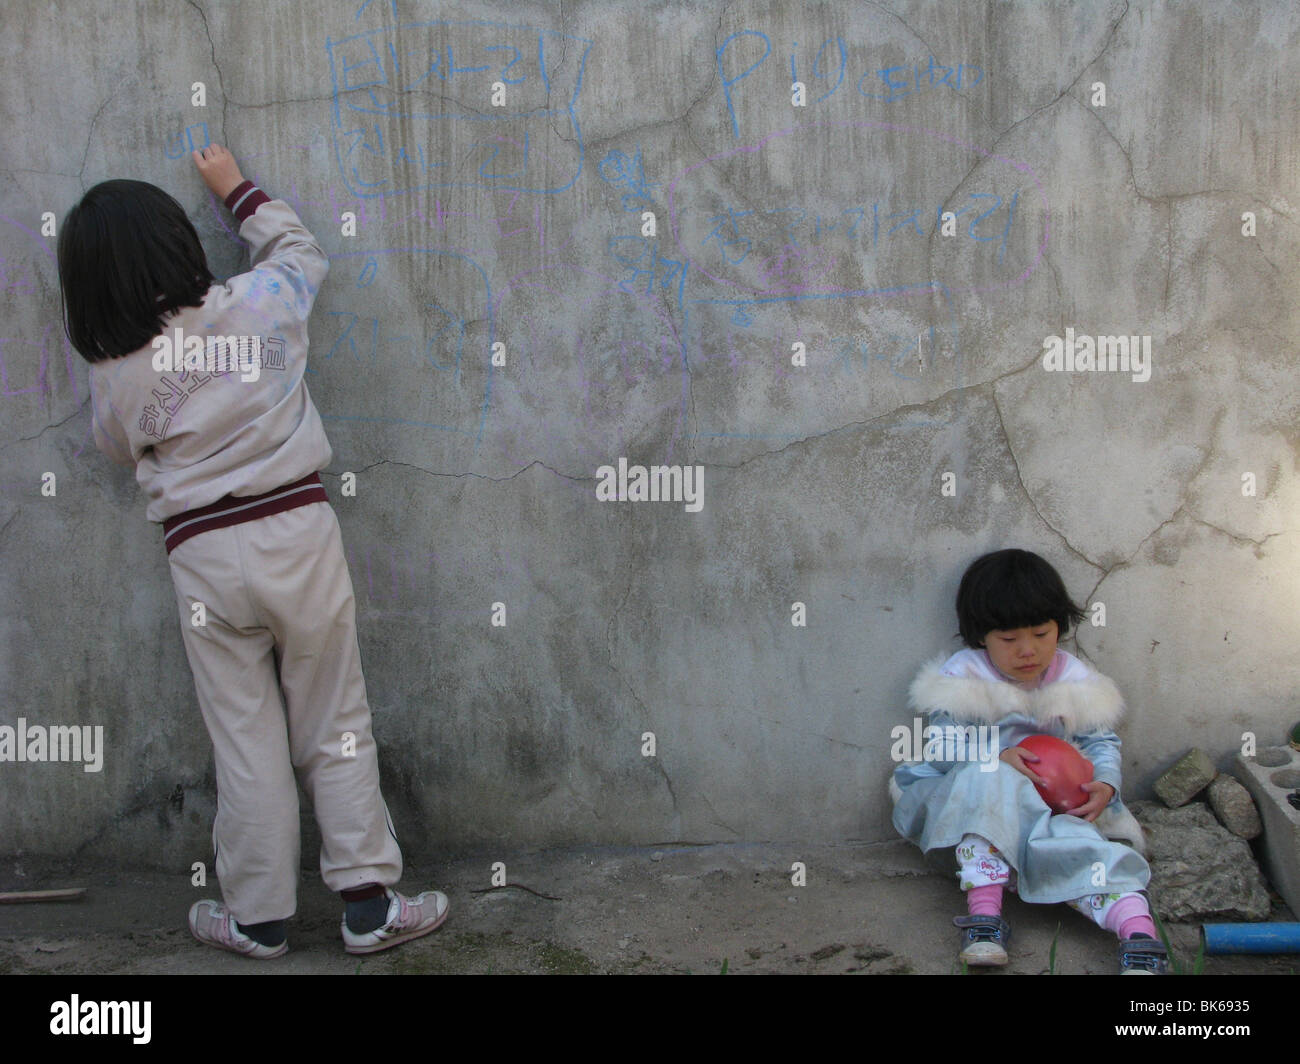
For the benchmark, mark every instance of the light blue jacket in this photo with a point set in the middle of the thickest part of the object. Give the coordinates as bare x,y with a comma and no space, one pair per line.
938,801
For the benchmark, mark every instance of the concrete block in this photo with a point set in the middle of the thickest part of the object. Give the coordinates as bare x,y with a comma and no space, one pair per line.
1234,807
1270,776
1190,775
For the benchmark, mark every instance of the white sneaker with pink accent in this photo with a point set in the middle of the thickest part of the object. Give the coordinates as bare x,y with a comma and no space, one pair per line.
408,918
214,925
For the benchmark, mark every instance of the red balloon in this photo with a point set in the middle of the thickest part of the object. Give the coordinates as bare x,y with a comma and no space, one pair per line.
1063,767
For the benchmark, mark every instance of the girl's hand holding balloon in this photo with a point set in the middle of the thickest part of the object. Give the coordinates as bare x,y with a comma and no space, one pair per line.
1017,757
1099,796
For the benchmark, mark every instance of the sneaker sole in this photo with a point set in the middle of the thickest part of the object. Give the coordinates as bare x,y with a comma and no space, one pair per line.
984,958
405,936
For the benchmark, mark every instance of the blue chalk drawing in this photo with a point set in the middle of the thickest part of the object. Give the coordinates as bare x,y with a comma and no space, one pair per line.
191,139
900,81
393,109
619,169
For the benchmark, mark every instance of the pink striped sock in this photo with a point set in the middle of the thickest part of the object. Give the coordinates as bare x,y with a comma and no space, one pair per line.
984,901
1138,925
1131,916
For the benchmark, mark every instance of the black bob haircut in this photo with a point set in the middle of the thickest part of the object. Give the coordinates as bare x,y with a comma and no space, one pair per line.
1012,589
128,257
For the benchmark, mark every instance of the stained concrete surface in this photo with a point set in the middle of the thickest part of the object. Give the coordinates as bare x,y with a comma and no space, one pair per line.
865,909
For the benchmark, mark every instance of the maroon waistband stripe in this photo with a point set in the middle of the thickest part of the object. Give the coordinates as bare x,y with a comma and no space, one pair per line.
237,509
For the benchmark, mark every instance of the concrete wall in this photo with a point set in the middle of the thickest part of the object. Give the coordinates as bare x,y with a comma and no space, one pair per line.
823,484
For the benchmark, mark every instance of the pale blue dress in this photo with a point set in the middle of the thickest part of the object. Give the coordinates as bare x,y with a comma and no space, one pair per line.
1056,857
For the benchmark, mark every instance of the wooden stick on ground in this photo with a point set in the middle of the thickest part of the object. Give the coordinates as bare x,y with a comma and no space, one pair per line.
16,896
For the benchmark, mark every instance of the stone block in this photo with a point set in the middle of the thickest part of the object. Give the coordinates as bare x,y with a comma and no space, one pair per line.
1233,806
1190,775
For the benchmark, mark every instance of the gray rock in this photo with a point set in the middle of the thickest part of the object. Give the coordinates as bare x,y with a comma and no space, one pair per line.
1186,779
1199,870
1234,807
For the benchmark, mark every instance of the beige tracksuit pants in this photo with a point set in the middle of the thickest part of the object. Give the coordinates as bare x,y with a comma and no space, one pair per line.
280,619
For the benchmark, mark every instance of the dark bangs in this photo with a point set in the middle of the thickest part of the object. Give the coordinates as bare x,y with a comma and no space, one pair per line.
1012,589
128,257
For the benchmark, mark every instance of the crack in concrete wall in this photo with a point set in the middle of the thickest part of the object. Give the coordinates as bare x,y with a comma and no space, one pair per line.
822,483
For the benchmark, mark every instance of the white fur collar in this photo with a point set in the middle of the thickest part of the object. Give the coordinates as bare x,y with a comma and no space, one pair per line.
1084,700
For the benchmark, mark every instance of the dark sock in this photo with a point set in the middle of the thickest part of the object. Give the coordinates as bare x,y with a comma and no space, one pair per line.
365,909
364,916
270,933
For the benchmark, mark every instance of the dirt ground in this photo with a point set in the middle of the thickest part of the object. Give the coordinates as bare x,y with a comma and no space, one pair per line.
878,909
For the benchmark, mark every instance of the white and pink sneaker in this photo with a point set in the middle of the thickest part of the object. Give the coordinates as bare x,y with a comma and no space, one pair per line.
214,925
408,918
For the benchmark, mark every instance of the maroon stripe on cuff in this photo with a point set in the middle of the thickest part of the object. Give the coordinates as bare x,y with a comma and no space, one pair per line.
238,509
238,193
245,200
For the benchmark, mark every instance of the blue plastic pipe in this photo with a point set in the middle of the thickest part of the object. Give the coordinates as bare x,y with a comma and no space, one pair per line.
1252,938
